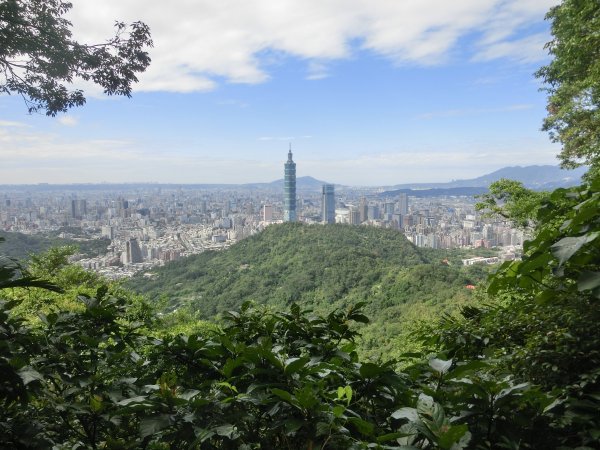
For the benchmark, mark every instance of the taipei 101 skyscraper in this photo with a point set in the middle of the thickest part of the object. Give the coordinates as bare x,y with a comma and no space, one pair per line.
289,189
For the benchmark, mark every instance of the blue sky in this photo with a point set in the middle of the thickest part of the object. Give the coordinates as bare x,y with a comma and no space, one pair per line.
376,92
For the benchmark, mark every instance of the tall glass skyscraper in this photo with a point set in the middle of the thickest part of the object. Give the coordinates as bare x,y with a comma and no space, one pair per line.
328,204
289,189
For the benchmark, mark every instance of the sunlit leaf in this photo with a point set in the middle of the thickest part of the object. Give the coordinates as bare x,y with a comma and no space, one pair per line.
439,365
568,246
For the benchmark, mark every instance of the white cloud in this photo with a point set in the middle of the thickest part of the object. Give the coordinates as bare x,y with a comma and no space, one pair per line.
473,111
317,71
512,15
231,102
9,123
68,121
283,138
488,80
198,43
30,156
526,50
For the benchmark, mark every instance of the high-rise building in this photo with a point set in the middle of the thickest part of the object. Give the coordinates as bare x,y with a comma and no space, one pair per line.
328,204
289,189
354,216
403,204
78,208
373,212
133,253
267,213
108,232
363,208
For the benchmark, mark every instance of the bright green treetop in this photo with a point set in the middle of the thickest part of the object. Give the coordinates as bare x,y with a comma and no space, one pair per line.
573,81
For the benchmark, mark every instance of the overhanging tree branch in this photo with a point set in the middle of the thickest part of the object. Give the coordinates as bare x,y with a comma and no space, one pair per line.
39,59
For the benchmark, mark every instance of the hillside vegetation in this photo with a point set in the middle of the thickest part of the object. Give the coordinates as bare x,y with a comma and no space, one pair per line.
321,267
20,246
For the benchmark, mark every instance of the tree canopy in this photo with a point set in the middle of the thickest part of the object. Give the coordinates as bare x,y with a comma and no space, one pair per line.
510,200
39,58
573,81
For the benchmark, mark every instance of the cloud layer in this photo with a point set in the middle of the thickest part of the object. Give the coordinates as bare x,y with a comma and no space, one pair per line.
200,43
33,157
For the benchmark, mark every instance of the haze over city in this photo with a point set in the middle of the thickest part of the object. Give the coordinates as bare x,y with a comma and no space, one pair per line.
367,93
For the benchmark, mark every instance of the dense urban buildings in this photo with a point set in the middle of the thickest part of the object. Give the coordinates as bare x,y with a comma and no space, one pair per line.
289,189
148,225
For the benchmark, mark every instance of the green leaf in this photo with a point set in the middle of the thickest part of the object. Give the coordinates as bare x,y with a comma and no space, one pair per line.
462,442
510,390
406,413
438,415
228,430
552,405
138,399
545,297
568,246
348,392
28,374
425,405
293,365
370,370
439,365
295,309
391,437
452,436
362,426
188,394
588,280
95,403
230,365
203,434
306,397
361,318
151,425
292,425
323,428
461,370
284,395
338,410
228,386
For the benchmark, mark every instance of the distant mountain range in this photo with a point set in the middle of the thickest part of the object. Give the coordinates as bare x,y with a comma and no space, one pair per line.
302,184
435,192
533,177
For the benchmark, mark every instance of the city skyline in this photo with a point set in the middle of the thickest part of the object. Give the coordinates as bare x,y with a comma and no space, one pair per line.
378,93
151,226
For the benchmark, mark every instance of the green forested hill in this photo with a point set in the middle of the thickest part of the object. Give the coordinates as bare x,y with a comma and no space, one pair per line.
321,267
283,264
20,246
